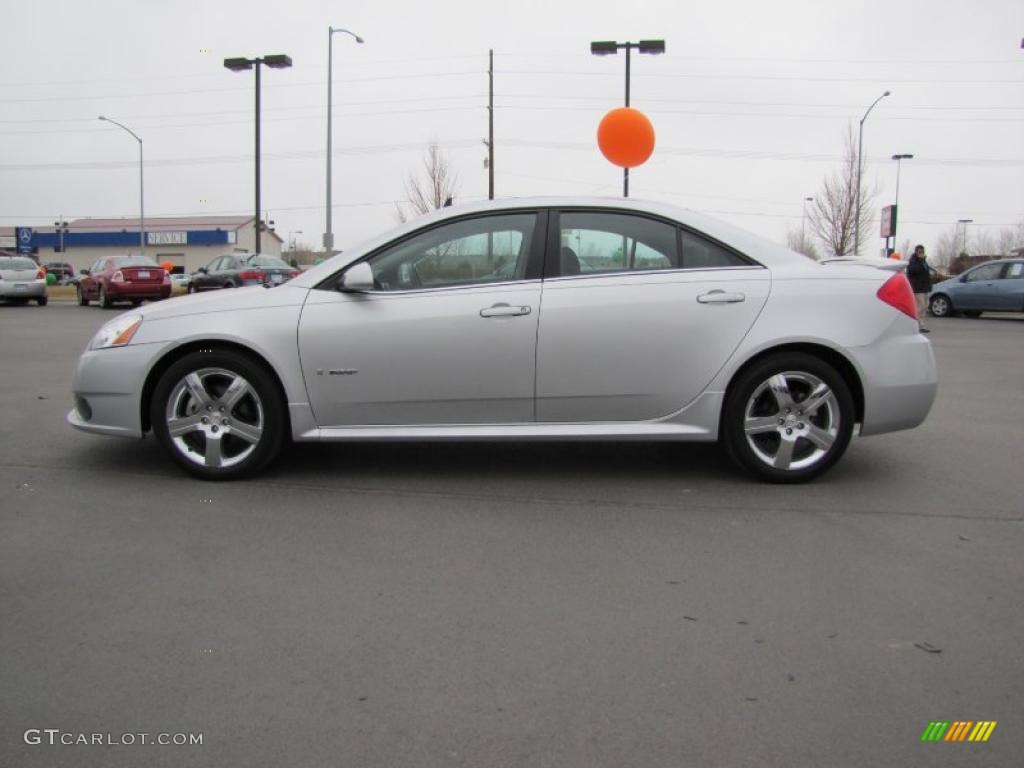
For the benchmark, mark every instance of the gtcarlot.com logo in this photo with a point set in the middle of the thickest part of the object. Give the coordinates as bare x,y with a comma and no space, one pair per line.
55,736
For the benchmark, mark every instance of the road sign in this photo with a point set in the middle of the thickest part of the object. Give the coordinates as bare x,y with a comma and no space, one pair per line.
24,237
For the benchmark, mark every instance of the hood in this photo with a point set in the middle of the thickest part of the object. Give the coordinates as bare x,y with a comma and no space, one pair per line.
254,297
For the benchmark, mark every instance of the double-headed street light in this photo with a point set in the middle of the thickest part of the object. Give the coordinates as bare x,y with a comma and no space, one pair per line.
608,48
860,145
142,207
275,61
329,229
964,222
803,221
898,159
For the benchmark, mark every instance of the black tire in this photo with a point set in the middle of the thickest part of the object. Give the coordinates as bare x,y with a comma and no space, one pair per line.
787,446
261,411
940,305
229,284
136,302
971,313
190,288
82,301
105,301
42,300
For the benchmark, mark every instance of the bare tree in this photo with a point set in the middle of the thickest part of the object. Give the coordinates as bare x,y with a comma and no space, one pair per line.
1010,239
797,240
834,216
432,188
947,247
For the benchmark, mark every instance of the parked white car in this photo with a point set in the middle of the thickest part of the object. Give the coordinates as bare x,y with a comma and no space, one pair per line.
539,319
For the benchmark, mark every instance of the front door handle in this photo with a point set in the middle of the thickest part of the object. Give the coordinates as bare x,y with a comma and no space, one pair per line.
504,310
718,296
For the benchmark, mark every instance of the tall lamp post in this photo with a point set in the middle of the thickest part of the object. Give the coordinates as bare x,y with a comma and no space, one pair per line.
329,229
142,206
964,222
860,146
275,61
608,48
803,221
898,159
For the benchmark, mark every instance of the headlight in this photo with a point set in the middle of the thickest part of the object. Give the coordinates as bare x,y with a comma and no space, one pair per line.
117,332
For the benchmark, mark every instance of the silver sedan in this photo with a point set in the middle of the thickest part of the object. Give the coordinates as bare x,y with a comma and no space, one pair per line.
21,280
541,319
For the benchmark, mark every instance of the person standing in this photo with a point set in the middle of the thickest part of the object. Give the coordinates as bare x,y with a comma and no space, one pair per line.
918,273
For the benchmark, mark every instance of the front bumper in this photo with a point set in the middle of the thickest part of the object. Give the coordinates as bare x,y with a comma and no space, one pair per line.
108,389
29,289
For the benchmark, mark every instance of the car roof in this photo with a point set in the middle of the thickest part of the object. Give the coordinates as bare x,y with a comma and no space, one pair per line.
761,249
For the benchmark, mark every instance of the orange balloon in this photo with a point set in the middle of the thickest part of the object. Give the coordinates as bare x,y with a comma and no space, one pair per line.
626,137
168,266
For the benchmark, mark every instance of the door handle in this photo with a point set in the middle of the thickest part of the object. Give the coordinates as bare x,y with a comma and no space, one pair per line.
504,310
718,296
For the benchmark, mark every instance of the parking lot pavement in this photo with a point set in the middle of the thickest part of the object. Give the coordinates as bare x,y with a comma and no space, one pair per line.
507,605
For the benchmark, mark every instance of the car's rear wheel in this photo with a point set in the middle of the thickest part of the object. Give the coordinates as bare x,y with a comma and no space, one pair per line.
82,301
41,301
218,414
190,288
940,306
788,418
105,301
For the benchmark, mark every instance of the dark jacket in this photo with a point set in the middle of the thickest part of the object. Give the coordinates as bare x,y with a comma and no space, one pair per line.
918,275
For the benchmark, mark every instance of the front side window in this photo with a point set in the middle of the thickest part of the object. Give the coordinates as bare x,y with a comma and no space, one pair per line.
986,272
1016,270
490,249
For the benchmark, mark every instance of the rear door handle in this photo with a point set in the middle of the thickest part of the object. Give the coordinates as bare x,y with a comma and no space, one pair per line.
718,296
504,310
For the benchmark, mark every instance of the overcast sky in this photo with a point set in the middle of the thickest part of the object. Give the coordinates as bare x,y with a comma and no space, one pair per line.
750,105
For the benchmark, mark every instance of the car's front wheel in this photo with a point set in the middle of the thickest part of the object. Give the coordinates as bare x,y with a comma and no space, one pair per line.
105,301
788,418
940,306
82,300
219,414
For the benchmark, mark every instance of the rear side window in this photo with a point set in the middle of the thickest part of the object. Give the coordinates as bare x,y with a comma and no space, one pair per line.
601,242
700,253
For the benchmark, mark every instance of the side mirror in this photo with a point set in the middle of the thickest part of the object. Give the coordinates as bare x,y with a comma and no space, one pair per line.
201,270
963,278
357,278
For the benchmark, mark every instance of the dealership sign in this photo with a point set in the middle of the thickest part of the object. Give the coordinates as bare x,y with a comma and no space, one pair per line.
167,238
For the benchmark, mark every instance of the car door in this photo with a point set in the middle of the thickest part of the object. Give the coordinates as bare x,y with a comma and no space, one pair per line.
979,289
448,335
638,316
1011,287
91,282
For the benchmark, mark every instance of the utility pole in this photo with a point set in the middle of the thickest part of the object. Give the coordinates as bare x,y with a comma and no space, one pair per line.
490,125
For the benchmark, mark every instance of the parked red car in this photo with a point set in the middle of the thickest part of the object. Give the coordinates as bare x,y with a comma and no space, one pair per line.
123,278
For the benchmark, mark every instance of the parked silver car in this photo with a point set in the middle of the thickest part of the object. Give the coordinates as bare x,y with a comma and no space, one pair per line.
22,280
542,319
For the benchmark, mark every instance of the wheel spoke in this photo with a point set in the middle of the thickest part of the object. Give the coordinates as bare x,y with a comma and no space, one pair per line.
183,425
820,438
213,451
780,391
815,400
238,389
251,433
758,425
784,457
197,390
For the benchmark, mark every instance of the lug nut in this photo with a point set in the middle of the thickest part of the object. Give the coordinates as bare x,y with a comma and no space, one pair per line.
215,428
782,421
224,422
788,431
800,425
205,420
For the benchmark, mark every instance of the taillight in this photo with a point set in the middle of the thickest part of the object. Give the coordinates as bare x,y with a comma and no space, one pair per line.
252,274
896,292
117,277
41,274
293,274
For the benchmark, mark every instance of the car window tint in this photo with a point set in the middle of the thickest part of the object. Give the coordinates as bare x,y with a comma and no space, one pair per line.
985,272
598,241
487,249
1016,269
701,253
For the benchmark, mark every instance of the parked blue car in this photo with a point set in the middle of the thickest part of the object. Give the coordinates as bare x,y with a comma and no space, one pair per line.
995,286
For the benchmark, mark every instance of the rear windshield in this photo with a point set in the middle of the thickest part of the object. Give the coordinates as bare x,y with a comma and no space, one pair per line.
8,262
267,261
134,261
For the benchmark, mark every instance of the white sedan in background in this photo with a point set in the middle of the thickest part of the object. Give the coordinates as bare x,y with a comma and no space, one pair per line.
538,319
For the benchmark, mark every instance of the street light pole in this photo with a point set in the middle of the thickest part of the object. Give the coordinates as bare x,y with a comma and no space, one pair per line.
275,61
142,205
608,47
898,159
860,146
803,221
329,228
965,222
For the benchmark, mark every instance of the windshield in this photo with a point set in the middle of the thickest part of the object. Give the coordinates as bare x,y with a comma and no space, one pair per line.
267,261
16,263
134,261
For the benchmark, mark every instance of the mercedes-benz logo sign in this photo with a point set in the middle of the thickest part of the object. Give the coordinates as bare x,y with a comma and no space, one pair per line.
25,235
